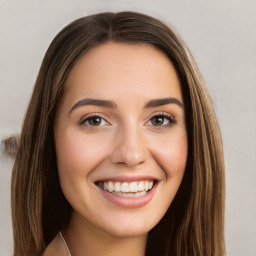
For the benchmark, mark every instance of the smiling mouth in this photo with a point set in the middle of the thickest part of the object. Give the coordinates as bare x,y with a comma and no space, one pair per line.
127,189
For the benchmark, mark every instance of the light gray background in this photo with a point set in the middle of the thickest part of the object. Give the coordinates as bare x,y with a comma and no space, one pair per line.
222,37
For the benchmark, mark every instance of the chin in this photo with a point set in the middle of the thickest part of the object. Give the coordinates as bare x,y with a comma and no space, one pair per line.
132,227
128,232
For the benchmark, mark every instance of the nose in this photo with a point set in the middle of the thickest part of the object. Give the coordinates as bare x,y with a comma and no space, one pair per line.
130,148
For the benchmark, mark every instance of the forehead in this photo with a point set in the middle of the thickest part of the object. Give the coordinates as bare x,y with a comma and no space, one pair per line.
122,70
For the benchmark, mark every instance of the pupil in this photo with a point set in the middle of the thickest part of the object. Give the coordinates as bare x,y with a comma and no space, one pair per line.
157,120
95,121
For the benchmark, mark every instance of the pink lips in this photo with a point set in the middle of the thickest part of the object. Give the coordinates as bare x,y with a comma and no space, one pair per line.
129,202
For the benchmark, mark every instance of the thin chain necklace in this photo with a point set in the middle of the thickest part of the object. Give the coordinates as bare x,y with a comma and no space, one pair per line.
69,253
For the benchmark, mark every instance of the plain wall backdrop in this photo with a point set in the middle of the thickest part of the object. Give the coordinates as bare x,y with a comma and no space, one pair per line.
221,35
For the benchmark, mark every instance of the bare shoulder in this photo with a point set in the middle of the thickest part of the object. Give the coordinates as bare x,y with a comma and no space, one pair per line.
56,247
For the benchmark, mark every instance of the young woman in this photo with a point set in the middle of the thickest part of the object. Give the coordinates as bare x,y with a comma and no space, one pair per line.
120,150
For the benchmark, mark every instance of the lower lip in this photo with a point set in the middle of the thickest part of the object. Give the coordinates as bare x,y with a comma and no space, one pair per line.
129,202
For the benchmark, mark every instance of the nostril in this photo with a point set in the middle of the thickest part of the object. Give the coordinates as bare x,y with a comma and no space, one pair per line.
130,151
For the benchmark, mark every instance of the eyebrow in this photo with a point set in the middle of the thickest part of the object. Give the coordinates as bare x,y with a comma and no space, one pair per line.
95,102
111,104
164,101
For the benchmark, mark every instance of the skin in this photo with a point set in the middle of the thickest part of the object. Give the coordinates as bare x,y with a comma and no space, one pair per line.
126,142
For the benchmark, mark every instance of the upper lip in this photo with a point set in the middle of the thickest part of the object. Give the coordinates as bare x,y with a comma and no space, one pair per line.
127,178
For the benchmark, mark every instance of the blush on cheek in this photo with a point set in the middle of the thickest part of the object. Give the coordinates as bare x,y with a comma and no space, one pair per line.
78,154
172,159
178,152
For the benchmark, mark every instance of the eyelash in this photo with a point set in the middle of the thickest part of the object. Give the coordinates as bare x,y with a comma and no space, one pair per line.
170,119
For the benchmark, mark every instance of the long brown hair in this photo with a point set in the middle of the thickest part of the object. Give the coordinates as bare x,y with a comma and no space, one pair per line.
194,222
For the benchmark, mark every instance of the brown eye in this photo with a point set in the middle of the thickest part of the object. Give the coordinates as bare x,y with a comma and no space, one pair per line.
94,121
157,120
162,121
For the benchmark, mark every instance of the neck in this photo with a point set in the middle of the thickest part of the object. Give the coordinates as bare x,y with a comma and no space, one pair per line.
84,239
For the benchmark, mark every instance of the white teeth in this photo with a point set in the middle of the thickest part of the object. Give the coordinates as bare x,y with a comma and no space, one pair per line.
110,186
146,186
105,186
141,186
150,184
125,187
133,187
118,186
139,194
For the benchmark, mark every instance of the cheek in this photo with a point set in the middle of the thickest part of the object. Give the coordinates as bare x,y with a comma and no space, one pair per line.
171,154
78,153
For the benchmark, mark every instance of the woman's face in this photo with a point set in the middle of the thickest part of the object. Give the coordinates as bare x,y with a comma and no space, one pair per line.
121,139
